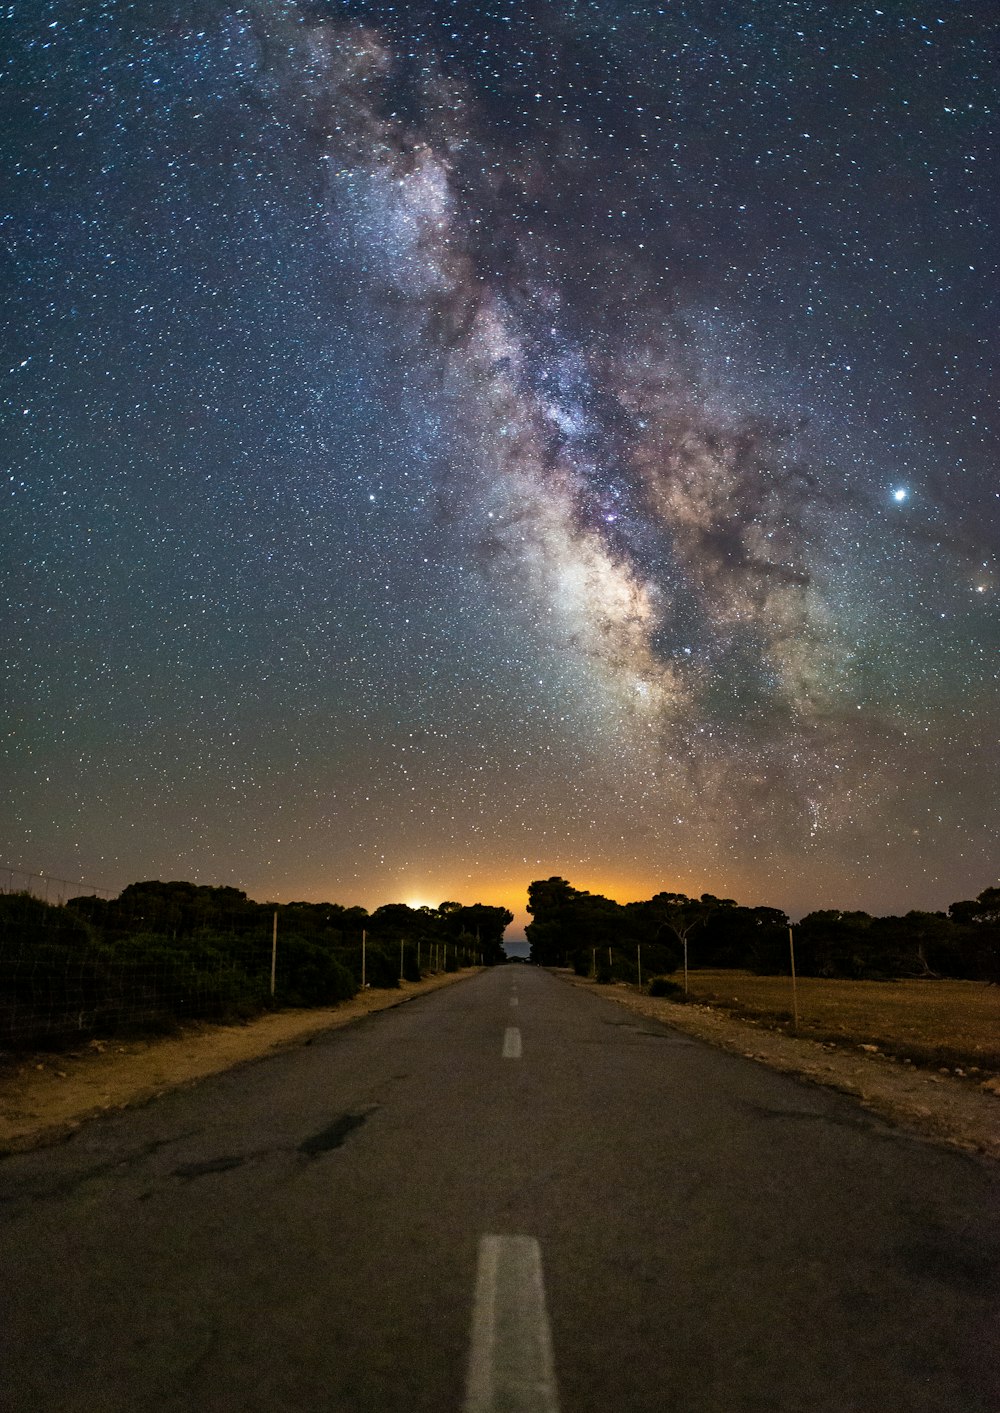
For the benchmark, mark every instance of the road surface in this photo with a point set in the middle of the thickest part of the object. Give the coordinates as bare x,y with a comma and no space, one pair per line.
510,1194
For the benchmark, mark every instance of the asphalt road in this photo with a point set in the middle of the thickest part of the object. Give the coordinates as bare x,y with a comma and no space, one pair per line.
506,1195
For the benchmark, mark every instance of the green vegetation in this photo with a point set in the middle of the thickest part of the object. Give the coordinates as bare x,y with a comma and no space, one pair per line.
164,952
608,940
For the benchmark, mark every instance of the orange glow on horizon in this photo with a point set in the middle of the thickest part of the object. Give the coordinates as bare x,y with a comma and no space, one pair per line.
786,885
499,890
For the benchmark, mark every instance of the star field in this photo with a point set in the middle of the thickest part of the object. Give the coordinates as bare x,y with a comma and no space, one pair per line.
454,444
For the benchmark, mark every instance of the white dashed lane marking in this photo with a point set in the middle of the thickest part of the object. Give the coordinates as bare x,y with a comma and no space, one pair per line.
510,1363
512,1043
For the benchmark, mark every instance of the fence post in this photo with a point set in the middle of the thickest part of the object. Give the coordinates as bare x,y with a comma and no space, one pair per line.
401,959
795,993
363,940
274,949
638,962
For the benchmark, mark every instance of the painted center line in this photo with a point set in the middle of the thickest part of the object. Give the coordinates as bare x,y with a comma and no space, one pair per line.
510,1363
511,1043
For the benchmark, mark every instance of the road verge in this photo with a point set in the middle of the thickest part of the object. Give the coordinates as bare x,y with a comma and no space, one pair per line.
46,1096
958,1112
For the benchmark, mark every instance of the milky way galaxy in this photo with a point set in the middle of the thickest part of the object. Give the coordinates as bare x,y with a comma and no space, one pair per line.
455,444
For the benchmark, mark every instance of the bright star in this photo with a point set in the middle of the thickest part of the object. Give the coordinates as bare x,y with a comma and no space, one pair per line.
900,494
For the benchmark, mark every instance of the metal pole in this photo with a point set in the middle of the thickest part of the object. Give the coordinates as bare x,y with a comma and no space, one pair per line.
638,962
685,966
401,959
274,949
418,957
795,993
363,940
593,960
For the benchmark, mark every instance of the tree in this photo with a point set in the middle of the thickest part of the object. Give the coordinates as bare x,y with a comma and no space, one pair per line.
978,920
681,916
483,926
755,938
550,931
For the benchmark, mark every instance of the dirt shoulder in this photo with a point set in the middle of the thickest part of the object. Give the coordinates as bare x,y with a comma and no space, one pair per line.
963,1113
44,1097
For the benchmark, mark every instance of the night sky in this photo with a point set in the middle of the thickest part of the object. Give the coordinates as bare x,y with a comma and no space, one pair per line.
453,444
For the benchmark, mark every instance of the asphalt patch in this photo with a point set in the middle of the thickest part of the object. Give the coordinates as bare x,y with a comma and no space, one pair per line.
333,1136
210,1165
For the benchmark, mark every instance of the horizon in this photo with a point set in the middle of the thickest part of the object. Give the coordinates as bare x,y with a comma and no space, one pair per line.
515,932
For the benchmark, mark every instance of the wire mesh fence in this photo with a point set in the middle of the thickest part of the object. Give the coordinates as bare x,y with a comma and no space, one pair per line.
46,887
60,983
75,967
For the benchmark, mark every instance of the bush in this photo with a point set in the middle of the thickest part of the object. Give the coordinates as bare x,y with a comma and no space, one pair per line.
381,964
26,921
663,986
309,975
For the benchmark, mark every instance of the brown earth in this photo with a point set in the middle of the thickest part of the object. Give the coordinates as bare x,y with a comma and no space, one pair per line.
962,1111
939,1022
44,1097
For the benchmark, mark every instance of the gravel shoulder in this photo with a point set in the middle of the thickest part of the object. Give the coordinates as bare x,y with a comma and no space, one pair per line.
45,1096
962,1113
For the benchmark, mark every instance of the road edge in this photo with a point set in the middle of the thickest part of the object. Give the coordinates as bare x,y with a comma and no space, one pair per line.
937,1107
37,1106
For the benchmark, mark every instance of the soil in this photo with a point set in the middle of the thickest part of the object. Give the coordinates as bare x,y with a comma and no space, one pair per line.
45,1096
960,1111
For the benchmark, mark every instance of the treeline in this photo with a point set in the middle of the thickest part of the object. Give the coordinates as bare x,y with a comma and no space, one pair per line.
162,952
597,935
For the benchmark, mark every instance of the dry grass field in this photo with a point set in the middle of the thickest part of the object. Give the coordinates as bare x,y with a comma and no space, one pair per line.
955,1023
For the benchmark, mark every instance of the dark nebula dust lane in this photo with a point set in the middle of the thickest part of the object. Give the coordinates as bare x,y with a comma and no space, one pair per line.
457,443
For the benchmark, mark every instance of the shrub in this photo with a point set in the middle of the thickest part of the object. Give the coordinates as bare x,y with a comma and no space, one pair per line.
26,921
309,975
663,986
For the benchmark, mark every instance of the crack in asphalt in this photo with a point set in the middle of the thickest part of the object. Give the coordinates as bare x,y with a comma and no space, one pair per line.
210,1165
